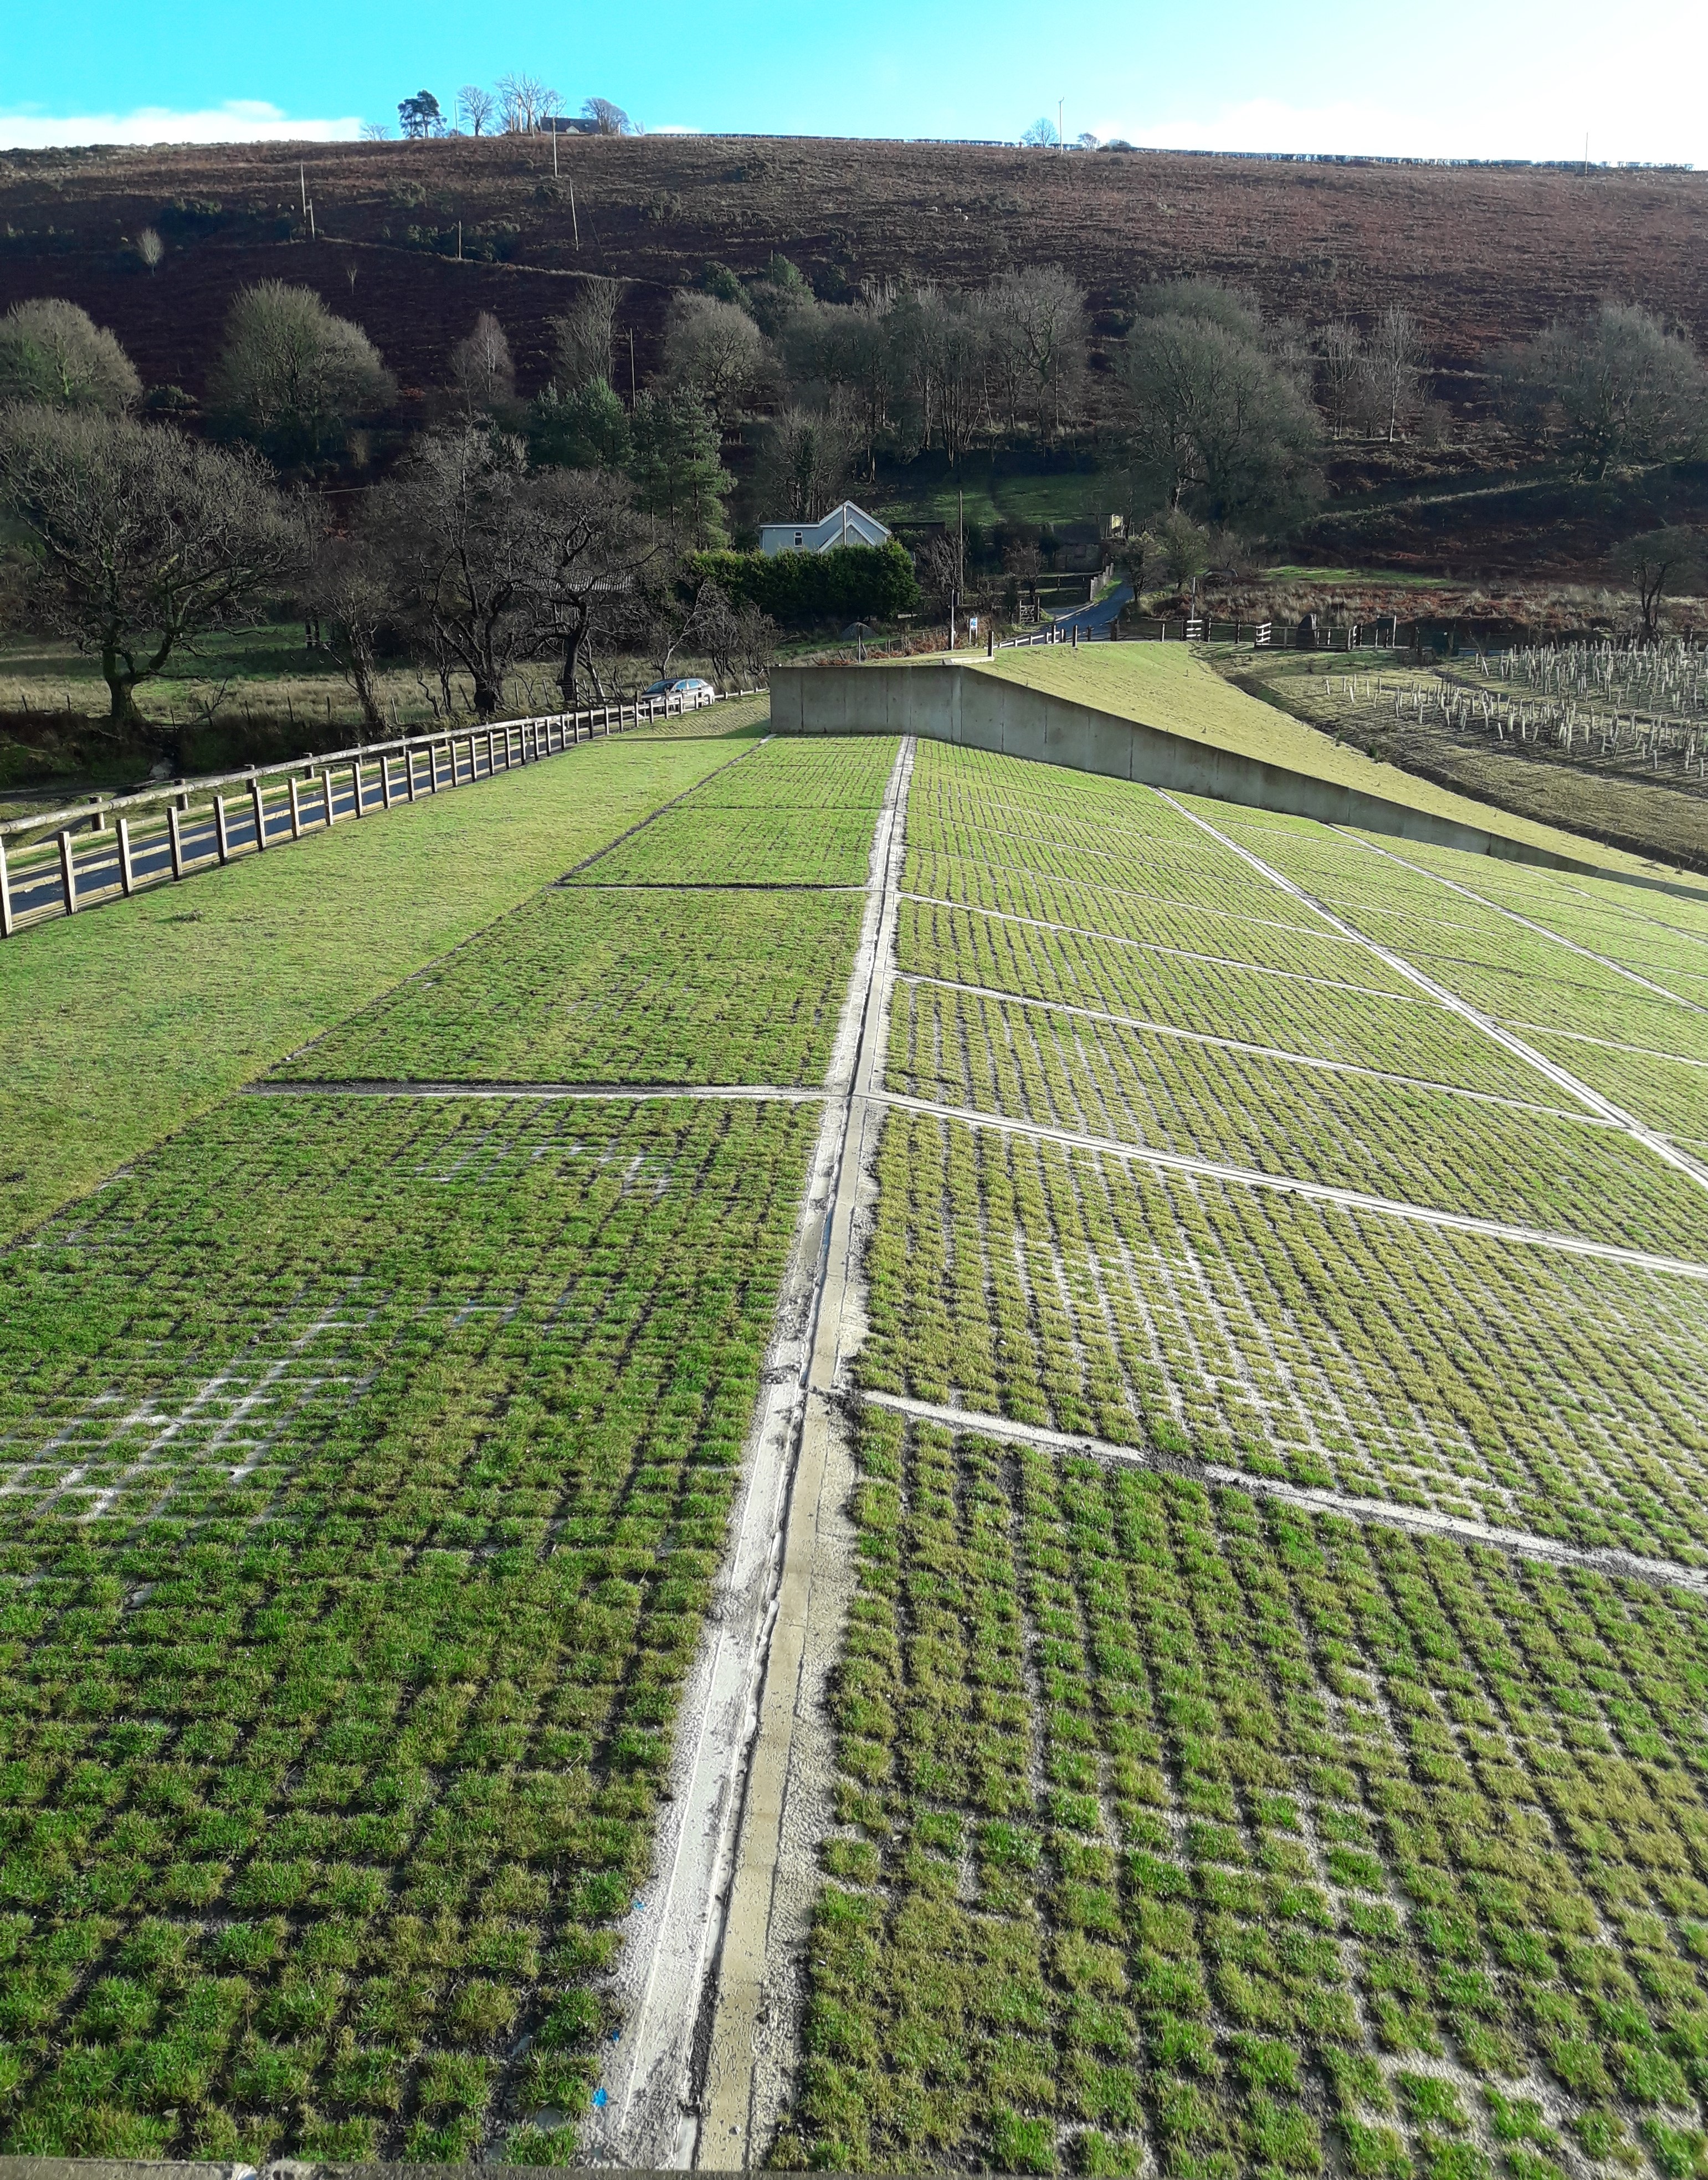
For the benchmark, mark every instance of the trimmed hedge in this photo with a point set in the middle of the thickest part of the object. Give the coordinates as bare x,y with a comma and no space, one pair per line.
863,582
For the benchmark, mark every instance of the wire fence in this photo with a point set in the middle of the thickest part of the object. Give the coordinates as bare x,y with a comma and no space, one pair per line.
108,848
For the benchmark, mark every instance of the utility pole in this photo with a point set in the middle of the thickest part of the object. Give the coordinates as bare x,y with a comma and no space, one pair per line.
575,225
1060,140
311,220
302,184
554,152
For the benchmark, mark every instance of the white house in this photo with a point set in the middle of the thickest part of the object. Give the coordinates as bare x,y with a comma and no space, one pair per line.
846,524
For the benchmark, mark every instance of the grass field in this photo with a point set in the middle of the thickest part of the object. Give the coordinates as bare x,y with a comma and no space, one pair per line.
1266,1729
122,1024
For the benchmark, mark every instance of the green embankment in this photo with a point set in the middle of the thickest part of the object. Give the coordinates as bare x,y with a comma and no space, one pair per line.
1167,687
124,1024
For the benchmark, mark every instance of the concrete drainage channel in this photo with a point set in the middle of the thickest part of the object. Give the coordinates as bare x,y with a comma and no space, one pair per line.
679,2090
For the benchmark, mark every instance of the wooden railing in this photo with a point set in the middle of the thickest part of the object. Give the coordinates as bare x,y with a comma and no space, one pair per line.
80,858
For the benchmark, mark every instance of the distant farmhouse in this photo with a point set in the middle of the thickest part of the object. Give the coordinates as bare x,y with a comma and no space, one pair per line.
846,524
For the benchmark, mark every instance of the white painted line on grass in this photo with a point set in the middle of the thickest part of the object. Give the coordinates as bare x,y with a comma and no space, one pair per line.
1260,1051
1523,1544
1499,908
1680,1161
764,1092
1320,1192
1179,953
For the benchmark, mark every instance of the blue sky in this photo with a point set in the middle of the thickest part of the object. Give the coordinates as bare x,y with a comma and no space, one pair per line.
1463,79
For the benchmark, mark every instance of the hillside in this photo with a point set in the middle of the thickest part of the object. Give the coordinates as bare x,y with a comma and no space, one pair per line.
1478,255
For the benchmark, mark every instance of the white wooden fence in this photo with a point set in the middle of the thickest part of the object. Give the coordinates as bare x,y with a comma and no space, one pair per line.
99,851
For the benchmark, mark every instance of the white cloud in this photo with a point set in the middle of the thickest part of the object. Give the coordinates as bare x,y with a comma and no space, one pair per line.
236,121
1464,130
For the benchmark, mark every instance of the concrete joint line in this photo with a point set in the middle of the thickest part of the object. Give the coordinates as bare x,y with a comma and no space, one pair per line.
1541,930
1521,1544
1680,1161
679,2079
1177,953
747,2001
1320,1192
1260,1051
764,1092
1611,1044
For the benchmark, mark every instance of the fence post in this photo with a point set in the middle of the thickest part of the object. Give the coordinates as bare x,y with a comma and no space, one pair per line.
355,778
222,838
384,781
174,834
326,793
409,769
433,758
67,870
127,883
260,811
296,809
5,897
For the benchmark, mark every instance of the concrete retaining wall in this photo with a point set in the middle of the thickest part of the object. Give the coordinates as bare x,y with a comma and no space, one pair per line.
983,710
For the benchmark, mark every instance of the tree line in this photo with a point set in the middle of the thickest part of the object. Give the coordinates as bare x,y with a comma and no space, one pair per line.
575,526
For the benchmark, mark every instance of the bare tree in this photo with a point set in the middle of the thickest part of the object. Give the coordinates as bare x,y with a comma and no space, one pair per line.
586,333
806,460
524,101
854,347
482,370
52,351
1392,361
1041,135
292,376
351,591
1342,360
714,350
1212,420
588,552
458,526
476,108
1624,389
609,119
1652,564
143,540
1042,310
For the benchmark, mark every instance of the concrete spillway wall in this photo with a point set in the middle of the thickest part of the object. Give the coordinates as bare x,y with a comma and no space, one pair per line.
984,710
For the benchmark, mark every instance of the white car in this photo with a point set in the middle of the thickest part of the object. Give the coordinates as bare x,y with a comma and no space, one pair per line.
689,684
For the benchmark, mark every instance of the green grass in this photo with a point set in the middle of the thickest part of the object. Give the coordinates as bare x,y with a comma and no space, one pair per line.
1412,1145
1410,1037
1172,689
367,1470
1323,1347
987,490
1198,1833
775,847
1385,578
1100,910
651,986
790,814
122,1024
